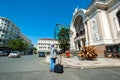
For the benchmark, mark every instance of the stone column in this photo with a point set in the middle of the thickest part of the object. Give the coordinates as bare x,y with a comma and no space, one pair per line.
86,34
90,39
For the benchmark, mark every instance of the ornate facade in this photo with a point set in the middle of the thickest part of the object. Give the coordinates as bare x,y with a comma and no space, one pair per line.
98,25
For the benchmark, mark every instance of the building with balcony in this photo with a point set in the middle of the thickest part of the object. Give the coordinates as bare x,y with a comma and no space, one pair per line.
98,25
43,45
9,31
29,42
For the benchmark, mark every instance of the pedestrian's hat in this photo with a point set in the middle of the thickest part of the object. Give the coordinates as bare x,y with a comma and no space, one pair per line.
52,45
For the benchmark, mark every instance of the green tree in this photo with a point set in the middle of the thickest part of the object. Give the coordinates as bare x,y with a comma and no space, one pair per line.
63,38
34,50
17,44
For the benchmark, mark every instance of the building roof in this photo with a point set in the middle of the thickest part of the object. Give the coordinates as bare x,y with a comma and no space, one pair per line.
47,39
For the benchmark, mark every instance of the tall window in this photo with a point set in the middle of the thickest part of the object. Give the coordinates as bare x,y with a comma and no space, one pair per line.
118,17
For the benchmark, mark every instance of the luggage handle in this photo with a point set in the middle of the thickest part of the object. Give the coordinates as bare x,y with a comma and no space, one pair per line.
59,59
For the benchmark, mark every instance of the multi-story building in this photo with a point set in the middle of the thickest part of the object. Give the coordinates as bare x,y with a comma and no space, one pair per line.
43,45
58,28
29,42
9,31
98,25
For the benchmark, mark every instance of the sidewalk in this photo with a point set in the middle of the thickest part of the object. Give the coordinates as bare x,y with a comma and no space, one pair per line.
74,62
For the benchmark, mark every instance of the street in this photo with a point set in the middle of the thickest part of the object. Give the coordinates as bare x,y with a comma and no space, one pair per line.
31,67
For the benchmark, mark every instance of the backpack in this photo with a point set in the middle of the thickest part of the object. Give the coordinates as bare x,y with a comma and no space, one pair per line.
55,53
55,50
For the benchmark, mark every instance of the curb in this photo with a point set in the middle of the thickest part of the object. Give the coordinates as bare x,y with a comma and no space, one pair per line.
91,67
67,65
85,67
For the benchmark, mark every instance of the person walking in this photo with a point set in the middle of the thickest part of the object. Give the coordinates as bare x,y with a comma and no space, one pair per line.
53,57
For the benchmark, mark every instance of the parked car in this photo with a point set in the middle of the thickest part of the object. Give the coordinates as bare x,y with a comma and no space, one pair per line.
41,54
15,54
4,52
1,53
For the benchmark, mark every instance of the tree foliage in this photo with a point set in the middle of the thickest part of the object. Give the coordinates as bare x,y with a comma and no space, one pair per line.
34,48
17,44
63,38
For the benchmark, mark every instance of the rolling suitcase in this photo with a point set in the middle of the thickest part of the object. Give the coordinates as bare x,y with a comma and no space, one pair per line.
59,67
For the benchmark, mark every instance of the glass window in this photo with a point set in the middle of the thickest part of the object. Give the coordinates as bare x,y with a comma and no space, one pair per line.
1,23
2,35
4,24
118,17
0,27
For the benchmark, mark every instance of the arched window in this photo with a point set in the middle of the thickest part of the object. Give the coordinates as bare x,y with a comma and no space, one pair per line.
118,17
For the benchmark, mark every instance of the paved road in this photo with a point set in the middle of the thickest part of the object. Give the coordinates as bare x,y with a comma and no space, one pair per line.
32,68
25,63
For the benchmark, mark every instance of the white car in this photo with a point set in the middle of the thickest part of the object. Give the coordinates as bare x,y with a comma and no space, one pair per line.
15,54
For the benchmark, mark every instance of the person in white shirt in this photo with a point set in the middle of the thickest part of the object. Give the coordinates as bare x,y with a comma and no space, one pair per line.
53,57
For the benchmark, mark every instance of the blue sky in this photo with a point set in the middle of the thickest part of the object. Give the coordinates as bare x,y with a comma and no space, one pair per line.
37,18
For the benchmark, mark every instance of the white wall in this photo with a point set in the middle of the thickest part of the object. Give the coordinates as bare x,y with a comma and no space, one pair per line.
44,45
72,44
